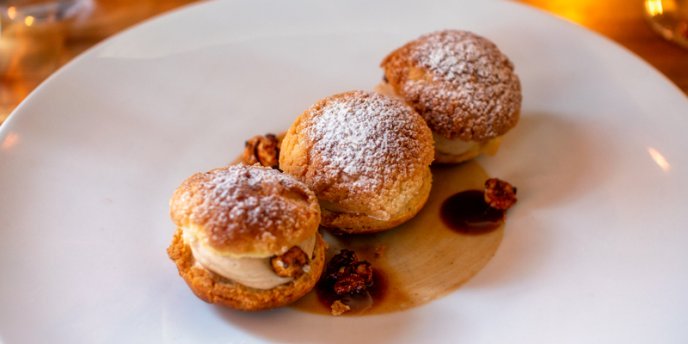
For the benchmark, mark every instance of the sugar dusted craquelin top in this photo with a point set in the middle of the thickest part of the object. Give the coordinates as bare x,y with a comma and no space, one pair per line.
459,82
246,210
356,149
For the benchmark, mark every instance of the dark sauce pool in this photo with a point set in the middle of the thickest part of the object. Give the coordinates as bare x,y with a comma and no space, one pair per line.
468,213
427,257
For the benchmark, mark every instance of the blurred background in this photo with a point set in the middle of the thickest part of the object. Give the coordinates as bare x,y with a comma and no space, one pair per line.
39,36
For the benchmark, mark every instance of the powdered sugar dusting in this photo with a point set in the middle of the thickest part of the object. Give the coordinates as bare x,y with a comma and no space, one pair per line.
364,140
245,203
469,89
462,58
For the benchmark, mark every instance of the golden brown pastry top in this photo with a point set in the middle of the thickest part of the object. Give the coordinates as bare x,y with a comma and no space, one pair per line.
246,210
459,82
356,149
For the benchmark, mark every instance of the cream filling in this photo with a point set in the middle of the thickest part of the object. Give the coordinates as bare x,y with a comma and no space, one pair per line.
460,147
254,272
455,146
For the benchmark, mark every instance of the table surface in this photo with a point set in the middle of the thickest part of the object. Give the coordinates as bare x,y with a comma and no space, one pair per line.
619,20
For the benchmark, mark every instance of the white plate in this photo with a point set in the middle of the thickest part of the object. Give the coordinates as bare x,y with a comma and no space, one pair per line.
595,252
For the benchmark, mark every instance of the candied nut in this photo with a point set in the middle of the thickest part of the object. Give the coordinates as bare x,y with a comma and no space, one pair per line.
347,275
499,194
365,271
292,263
350,284
338,308
342,259
262,150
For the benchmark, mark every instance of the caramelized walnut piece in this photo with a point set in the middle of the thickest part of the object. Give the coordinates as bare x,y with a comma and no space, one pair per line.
338,308
292,263
262,150
499,194
347,275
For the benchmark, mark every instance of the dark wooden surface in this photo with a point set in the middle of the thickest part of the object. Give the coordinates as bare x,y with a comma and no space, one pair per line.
620,20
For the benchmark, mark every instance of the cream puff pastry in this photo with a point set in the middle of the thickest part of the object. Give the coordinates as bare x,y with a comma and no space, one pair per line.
247,237
365,155
462,85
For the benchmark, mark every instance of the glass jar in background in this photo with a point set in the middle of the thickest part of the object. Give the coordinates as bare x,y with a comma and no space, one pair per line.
32,35
31,44
669,18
